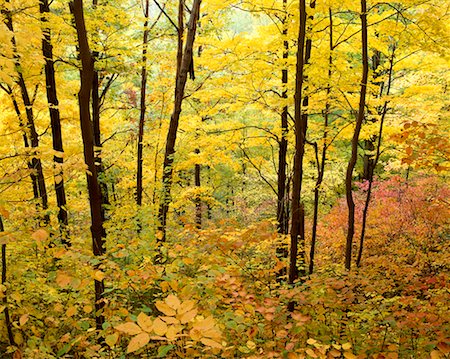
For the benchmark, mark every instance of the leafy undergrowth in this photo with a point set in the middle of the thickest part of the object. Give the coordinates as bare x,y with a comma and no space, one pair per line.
217,294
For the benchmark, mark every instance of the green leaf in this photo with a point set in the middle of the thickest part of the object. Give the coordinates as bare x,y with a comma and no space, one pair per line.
163,350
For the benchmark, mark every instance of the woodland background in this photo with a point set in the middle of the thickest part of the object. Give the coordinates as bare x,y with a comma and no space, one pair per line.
253,179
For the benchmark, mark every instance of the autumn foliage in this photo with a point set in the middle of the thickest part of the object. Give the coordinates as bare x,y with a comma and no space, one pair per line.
176,176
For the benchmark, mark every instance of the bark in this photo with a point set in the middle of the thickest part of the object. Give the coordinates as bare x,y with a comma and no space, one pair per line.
174,120
55,120
198,202
297,222
143,107
39,186
355,139
282,214
375,161
95,199
8,322
321,163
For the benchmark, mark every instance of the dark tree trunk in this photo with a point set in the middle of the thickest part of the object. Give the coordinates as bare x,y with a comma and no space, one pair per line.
36,164
297,222
321,163
198,202
355,139
52,99
8,322
375,161
173,126
95,198
282,214
143,107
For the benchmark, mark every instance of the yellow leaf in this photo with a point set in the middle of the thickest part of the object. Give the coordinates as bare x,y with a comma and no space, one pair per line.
159,327
87,309
2,308
138,342
350,355
164,308
251,345
129,328
145,322
311,341
211,343
40,235
23,319
70,312
334,353
346,346
112,339
172,332
173,302
188,316
311,353
170,320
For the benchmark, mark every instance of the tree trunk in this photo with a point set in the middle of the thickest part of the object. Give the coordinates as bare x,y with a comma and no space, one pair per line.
282,215
8,322
355,139
321,163
52,99
297,222
143,107
95,199
174,119
375,161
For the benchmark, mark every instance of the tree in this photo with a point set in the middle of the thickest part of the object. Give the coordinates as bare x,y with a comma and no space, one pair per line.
95,198
297,220
39,187
355,139
53,103
139,188
184,63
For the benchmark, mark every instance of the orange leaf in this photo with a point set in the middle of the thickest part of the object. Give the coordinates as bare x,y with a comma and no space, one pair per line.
138,342
159,327
211,343
165,309
23,319
129,328
188,316
145,322
173,302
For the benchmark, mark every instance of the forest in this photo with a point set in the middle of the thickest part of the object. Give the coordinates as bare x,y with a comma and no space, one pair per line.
224,179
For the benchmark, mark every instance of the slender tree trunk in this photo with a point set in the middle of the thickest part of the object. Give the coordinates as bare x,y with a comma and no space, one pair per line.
174,120
95,198
8,322
282,215
33,176
355,139
36,163
198,202
321,163
143,107
52,99
375,161
297,222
